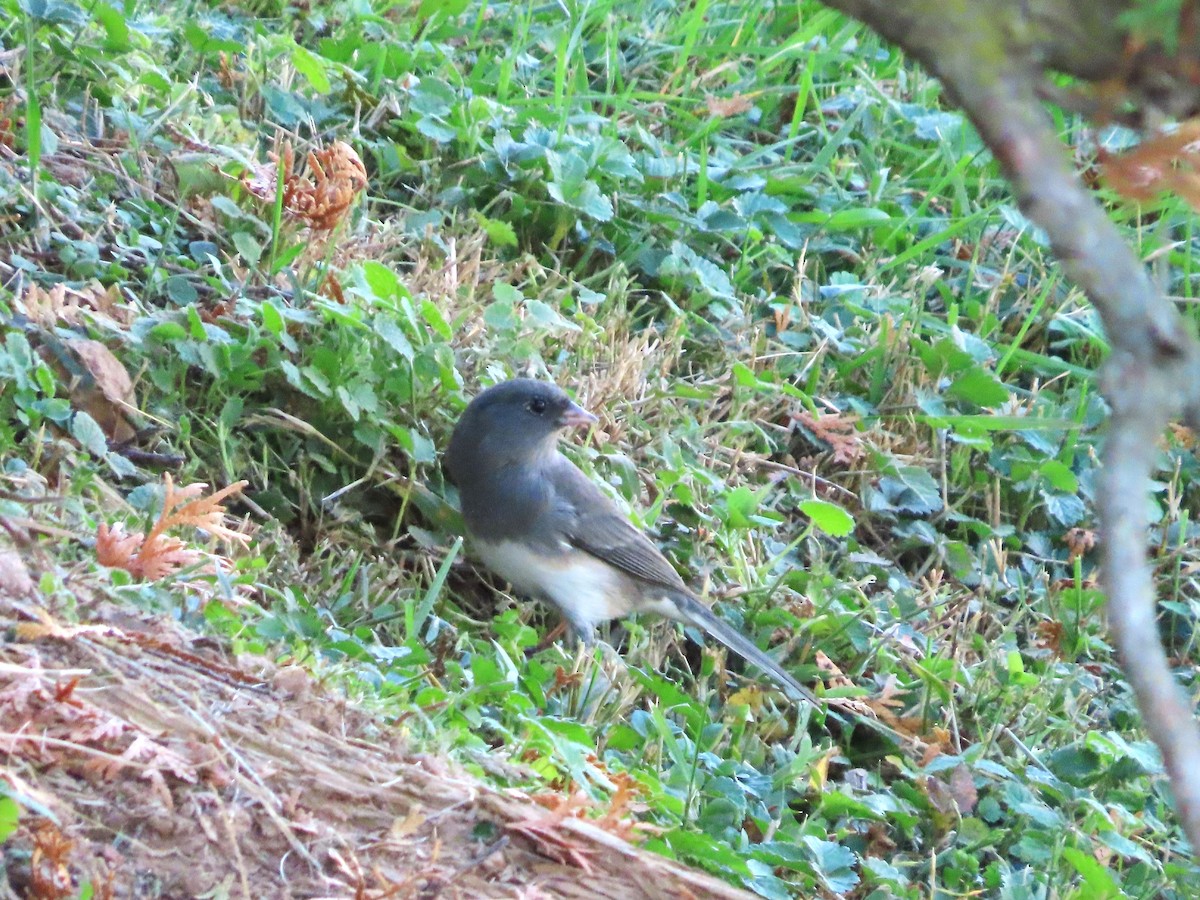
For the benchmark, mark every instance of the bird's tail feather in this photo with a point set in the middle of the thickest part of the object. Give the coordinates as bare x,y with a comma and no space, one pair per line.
696,613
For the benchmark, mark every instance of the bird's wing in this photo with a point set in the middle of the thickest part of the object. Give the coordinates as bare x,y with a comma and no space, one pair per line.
591,522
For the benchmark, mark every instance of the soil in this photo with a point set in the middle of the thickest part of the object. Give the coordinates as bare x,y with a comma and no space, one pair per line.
148,763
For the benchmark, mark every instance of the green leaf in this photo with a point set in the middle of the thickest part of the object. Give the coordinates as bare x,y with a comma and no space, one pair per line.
702,848
1076,765
979,387
570,185
487,675
744,375
181,290
499,232
548,317
388,329
1059,476
500,316
317,379
912,490
312,68
116,29
1067,510
981,423
847,219
204,42
272,319
685,264
834,863
227,207
436,130
712,277
195,324
434,319
415,614
419,447
503,292
881,870
446,8
381,281
829,517
740,504
85,430
1099,881
10,813
247,247
168,331
586,198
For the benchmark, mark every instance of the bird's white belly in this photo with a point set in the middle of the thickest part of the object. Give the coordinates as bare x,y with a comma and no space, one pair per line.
583,587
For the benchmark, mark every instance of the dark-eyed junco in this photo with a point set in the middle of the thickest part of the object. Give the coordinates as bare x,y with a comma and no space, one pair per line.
537,521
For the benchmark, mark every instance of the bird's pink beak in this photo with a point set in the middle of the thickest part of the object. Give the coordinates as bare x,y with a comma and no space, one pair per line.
575,416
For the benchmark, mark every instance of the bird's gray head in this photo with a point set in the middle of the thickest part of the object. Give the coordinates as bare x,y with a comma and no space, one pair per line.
514,421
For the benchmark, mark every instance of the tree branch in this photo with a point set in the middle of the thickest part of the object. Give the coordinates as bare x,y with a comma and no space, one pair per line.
990,57
1145,381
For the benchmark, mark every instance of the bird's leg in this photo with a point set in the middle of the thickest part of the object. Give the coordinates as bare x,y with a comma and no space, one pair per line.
551,636
584,631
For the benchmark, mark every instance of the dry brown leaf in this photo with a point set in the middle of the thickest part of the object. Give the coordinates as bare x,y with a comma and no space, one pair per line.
724,107
332,289
943,738
618,818
885,706
143,558
68,168
338,177
1184,435
834,678
839,431
564,681
110,376
1079,541
45,306
14,577
7,129
409,825
890,696
962,789
942,811
50,879
830,672
879,842
109,397
1163,163
63,304
228,76
818,775
1050,637
151,759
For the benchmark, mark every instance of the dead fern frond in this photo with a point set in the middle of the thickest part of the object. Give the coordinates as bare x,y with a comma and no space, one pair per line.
155,555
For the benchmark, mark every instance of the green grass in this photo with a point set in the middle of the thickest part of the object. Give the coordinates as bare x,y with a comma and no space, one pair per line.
551,192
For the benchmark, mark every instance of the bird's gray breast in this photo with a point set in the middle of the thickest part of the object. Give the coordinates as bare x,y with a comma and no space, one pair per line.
515,503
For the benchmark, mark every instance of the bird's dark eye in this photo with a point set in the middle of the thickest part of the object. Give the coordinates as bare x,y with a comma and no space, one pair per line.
537,406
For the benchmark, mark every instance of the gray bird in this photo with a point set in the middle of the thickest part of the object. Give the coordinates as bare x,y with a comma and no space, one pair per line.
539,523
